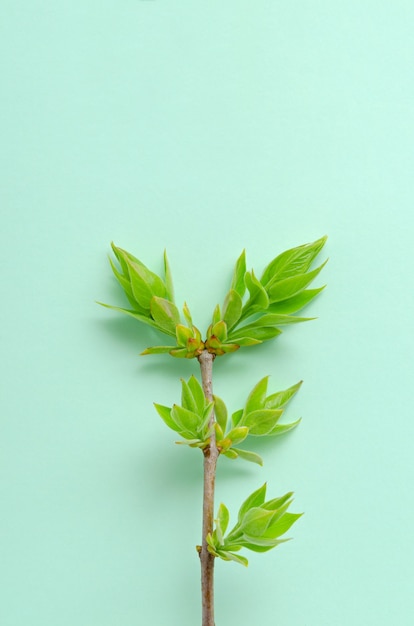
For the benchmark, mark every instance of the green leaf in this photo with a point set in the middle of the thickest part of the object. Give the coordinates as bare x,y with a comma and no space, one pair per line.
257,397
255,521
165,413
165,313
123,257
281,526
144,283
187,420
255,548
273,319
231,454
237,282
126,286
284,289
187,315
187,398
183,334
120,259
198,394
281,398
179,353
296,303
219,330
222,521
249,456
255,499
157,350
261,542
292,262
220,412
247,341
135,315
205,423
212,544
276,503
258,297
236,417
261,422
237,435
230,556
169,288
216,314
232,308
255,333
281,429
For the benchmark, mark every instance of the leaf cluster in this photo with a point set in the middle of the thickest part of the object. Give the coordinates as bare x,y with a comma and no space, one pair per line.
253,310
191,418
259,417
259,526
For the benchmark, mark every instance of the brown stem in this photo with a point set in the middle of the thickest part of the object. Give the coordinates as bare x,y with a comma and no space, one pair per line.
210,461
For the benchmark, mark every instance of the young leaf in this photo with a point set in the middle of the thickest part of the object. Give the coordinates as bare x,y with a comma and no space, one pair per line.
247,341
237,435
126,286
157,350
232,308
165,313
187,315
230,556
258,300
222,520
198,394
187,398
255,499
281,398
292,262
249,456
237,282
261,422
206,417
281,526
219,330
255,522
141,318
220,412
169,289
216,314
187,420
273,319
183,334
257,397
295,303
236,417
165,413
255,334
276,503
281,429
231,453
281,290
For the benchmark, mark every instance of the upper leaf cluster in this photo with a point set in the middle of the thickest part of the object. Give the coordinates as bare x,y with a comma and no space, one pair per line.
253,310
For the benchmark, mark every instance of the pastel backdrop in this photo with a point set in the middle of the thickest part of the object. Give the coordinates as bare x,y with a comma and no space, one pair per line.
204,128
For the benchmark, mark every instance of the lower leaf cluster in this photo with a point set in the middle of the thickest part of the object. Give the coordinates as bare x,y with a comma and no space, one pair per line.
259,526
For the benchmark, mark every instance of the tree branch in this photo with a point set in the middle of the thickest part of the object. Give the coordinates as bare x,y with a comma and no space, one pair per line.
210,461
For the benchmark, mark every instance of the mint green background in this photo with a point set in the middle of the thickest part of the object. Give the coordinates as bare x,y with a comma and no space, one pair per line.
204,127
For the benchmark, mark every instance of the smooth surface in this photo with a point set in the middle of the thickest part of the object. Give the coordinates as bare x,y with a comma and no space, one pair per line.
204,128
